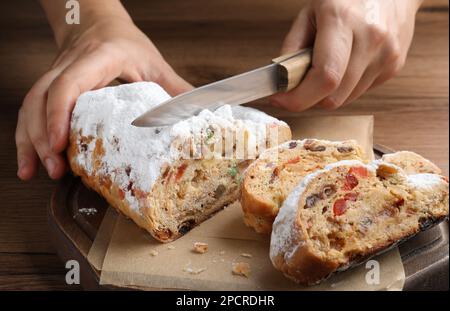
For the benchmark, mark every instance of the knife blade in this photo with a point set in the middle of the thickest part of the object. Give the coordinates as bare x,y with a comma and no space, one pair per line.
283,74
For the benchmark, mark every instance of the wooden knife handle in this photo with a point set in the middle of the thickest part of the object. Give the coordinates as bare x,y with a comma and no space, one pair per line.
292,68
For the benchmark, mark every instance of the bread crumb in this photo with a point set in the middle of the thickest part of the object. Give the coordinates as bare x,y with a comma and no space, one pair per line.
193,271
154,253
241,268
246,255
200,247
170,247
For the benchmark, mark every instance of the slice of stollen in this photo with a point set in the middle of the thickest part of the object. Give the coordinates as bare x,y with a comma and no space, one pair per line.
344,214
271,178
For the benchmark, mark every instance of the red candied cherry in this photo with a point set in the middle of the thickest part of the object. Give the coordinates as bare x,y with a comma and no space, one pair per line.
359,171
350,182
339,207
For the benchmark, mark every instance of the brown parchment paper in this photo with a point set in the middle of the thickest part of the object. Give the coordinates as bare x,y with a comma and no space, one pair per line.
134,259
98,249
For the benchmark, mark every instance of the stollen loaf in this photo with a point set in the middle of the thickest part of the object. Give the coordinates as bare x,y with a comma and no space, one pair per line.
166,179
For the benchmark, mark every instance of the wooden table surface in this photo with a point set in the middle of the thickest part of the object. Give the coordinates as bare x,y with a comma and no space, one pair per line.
205,41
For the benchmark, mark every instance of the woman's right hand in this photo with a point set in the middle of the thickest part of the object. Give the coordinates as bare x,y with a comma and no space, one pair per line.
92,55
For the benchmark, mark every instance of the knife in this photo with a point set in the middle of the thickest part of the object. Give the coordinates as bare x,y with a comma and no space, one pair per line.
285,73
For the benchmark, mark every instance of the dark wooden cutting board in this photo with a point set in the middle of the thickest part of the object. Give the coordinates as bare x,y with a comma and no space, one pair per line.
425,257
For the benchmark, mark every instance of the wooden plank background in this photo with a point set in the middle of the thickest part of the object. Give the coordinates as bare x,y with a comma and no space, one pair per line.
204,40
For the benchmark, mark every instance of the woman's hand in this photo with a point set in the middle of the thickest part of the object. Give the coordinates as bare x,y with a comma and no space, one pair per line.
92,55
357,45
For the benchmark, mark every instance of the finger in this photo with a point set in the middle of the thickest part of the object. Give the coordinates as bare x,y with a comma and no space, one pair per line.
301,34
26,151
365,83
95,70
381,69
35,120
359,60
275,104
27,160
173,83
332,48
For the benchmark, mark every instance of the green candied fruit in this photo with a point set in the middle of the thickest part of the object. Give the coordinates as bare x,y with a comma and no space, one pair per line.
233,171
209,135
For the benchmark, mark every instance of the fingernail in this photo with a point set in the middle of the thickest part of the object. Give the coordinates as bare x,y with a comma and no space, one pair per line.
22,164
50,165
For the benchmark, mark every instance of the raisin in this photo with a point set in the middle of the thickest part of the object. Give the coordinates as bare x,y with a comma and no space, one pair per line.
316,148
186,226
274,175
115,143
350,182
345,149
157,131
130,186
292,144
84,147
220,190
312,200
329,190
399,203
128,170
166,171
309,145
339,207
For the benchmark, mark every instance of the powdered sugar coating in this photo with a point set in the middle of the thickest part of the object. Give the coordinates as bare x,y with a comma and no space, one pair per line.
425,181
107,113
136,154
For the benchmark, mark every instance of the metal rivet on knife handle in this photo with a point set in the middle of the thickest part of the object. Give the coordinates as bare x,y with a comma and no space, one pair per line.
292,69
